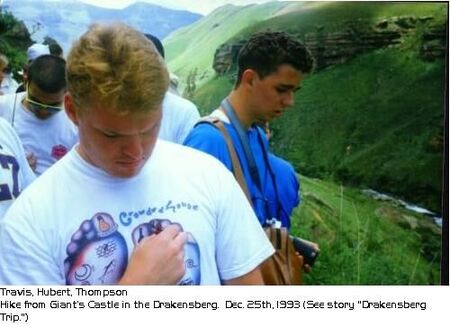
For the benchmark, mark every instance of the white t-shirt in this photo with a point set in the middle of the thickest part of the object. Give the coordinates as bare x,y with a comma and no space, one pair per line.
78,225
48,139
8,85
179,116
15,174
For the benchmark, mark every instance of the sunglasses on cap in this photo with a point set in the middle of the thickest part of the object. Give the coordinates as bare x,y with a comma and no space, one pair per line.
41,106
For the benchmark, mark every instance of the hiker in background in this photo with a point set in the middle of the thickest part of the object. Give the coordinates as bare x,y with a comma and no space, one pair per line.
15,174
137,210
7,83
34,51
179,114
38,114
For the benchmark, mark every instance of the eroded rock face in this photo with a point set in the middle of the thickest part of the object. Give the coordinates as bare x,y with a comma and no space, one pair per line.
434,45
225,57
334,48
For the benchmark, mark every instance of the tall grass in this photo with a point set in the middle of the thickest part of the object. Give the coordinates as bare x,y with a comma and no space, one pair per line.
363,241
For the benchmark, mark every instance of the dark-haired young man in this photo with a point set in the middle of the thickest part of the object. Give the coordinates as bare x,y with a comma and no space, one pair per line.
271,67
38,113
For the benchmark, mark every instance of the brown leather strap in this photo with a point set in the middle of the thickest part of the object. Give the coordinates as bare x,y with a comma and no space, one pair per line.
237,169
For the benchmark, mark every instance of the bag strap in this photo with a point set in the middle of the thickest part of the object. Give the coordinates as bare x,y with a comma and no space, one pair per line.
237,168
244,142
272,218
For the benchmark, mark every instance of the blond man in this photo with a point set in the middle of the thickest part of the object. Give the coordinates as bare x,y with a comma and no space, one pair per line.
134,210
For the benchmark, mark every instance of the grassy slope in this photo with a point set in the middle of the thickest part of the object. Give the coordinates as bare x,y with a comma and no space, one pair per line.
332,16
195,45
361,241
389,116
209,96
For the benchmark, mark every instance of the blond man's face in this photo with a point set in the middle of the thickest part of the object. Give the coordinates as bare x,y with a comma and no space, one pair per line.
119,145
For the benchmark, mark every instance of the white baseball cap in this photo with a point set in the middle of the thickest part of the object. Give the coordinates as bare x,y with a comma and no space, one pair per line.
37,50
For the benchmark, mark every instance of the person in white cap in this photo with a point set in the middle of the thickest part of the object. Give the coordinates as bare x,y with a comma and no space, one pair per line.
34,51
37,50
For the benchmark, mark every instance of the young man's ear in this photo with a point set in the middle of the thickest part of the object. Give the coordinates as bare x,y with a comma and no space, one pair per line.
70,108
248,77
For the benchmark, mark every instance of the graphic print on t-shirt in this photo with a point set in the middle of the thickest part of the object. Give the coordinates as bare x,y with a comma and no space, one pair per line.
59,151
192,275
9,186
97,253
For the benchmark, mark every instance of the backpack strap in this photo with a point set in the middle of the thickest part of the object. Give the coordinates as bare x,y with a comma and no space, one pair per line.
237,168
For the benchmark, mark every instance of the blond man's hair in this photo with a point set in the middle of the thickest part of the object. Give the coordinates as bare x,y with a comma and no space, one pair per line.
117,68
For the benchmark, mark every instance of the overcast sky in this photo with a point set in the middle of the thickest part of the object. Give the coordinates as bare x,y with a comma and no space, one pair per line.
201,6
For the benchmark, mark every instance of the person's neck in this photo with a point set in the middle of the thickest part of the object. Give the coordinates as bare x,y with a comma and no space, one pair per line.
25,105
241,109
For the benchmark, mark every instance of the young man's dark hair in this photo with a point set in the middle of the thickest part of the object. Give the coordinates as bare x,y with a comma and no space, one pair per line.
48,72
266,51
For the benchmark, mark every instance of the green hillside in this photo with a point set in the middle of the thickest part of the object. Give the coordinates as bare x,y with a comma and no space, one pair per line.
363,241
194,46
374,121
382,128
333,16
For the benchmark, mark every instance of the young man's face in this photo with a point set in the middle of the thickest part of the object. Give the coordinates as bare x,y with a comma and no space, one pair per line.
119,145
43,104
272,94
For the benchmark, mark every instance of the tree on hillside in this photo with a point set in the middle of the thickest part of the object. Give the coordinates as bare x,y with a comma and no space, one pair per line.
14,39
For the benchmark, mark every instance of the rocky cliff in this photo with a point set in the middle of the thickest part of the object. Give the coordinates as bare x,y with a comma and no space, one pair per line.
356,38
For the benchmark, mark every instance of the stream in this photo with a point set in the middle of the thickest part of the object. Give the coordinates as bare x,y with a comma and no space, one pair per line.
409,206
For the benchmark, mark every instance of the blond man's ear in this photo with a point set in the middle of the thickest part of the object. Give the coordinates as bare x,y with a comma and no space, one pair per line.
70,108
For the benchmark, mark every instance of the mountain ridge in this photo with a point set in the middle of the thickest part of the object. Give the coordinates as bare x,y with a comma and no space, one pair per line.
65,21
